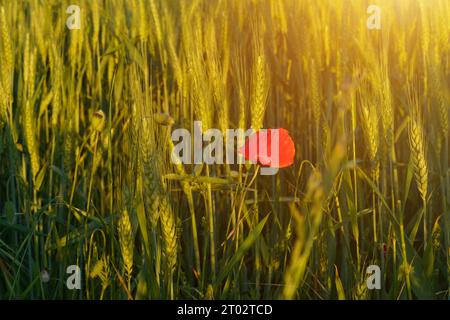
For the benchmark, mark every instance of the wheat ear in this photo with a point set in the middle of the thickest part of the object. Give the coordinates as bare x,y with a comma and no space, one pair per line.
168,227
125,230
416,142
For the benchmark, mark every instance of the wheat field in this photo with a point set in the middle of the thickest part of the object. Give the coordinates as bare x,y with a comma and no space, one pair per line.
87,178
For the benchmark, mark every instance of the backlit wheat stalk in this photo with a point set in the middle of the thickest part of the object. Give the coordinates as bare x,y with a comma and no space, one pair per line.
126,240
417,145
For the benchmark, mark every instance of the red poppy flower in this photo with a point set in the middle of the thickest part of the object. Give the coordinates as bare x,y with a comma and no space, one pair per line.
258,148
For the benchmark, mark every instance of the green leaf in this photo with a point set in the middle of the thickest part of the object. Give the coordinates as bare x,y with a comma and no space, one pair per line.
245,246
339,286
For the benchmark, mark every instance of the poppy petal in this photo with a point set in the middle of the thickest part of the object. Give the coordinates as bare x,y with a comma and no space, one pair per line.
281,156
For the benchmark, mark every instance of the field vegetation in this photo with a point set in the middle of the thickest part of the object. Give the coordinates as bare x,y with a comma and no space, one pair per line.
86,176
